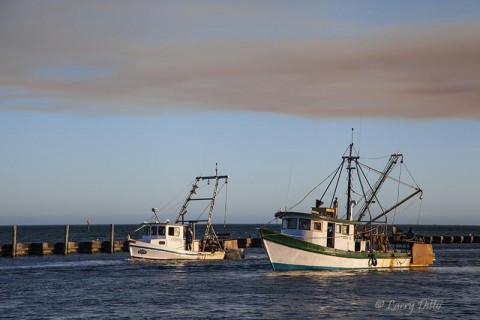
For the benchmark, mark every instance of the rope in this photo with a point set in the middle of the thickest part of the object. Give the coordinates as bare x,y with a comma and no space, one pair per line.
208,205
389,177
318,185
411,176
408,206
398,193
201,214
225,216
376,158
266,224
288,188
419,212
181,192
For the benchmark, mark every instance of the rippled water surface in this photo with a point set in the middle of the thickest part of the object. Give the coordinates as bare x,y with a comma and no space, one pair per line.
105,286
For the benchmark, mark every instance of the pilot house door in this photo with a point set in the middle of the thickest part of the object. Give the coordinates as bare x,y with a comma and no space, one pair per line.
331,235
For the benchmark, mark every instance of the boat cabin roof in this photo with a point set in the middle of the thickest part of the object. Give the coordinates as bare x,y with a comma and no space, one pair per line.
316,217
173,224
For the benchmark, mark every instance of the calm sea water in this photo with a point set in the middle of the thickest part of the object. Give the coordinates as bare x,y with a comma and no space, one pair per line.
110,286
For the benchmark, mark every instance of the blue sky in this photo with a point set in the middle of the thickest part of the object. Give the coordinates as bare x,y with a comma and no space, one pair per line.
107,110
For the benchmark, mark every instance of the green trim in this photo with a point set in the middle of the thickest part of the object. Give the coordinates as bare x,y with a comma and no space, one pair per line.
311,247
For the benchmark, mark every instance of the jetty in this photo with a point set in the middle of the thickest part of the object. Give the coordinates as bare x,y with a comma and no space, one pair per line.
67,247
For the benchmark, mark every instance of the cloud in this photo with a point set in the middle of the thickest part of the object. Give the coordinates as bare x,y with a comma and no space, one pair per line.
128,60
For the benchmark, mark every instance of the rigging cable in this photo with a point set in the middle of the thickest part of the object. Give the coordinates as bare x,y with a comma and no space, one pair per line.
336,186
421,194
363,191
288,188
226,198
169,204
318,185
398,191
411,175
360,165
408,206
419,212
201,214
376,158
391,178
209,204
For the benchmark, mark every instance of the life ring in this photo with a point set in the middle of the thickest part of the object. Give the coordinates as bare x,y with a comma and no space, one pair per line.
372,261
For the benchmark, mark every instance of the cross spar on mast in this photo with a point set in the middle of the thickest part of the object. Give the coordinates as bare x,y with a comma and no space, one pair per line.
183,210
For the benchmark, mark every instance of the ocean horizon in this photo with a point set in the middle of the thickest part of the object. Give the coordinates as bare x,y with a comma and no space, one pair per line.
84,232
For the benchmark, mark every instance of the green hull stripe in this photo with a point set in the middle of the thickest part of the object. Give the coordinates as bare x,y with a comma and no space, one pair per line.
295,267
311,247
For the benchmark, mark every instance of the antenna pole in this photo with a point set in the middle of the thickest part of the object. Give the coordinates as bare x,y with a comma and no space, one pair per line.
349,192
350,158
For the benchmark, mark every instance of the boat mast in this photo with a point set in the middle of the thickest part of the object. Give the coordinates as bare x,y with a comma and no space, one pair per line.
349,191
350,158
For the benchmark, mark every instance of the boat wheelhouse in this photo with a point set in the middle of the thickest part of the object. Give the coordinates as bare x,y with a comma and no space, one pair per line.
322,229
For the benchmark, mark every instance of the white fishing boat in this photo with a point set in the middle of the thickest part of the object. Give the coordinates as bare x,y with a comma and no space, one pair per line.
176,241
323,239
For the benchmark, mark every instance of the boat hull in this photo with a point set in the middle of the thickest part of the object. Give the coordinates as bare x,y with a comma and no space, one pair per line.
294,254
144,250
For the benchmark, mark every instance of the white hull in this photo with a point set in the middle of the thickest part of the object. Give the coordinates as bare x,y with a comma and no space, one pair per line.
283,257
144,250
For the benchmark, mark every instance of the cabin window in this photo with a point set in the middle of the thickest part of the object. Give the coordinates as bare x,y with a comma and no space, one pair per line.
147,231
304,224
161,231
153,231
174,231
317,226
345,229
289,223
